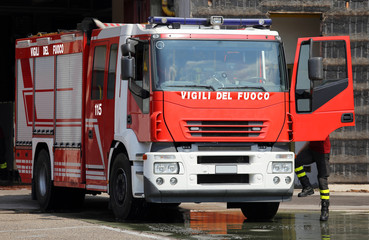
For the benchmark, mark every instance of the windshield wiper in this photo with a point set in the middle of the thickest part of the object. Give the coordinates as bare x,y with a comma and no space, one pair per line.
244,87
201,86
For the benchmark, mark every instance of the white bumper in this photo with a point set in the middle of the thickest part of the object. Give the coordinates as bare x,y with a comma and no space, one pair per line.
235,177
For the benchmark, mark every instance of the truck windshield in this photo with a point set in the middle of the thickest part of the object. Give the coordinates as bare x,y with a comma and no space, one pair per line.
218,65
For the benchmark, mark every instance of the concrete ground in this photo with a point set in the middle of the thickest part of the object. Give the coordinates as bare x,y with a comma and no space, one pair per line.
343,197
20,218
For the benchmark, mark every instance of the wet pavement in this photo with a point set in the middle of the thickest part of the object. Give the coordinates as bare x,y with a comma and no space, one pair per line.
286,225
298,219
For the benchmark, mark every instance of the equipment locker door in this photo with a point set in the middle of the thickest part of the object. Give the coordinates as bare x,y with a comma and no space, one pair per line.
320,105
100,111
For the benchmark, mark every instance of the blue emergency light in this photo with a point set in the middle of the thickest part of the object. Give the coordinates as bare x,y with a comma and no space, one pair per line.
214,20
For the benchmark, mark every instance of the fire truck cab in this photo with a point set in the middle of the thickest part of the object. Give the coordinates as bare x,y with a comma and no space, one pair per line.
176,110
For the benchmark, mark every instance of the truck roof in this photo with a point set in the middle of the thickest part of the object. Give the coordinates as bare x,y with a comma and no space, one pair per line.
105,30
142,29
176,25
195,29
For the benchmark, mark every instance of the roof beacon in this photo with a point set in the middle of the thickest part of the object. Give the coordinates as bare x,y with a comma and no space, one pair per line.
213,21
216,21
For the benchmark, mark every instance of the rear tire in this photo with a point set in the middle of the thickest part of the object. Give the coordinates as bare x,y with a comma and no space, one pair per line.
45,191
123,204
260,210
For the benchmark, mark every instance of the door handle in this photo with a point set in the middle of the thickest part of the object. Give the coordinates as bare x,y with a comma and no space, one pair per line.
90,134
347,117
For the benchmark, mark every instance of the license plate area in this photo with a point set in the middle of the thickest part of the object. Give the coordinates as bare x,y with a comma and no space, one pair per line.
225,169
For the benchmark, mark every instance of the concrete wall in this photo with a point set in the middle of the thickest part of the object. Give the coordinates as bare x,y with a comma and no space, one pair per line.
350,146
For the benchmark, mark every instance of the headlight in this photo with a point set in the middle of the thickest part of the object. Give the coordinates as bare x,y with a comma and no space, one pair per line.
166,168
282,167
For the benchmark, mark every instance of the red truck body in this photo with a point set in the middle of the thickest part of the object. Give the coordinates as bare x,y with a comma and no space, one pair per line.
97,111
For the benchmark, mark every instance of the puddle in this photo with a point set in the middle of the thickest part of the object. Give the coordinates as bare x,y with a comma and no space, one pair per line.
180,223
286,225
215,222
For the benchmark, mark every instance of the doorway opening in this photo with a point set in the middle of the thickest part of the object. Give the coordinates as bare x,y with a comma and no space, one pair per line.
292,26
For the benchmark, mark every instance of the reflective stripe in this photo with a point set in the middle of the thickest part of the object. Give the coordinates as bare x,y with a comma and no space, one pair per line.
299,168
94,166
3,165
301,174
97,187
96,177
324,191
324,197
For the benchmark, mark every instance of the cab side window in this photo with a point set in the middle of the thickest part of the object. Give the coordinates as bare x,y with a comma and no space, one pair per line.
142,76
311,95
98,72
112,69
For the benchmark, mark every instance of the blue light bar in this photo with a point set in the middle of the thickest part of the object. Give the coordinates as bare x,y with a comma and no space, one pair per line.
185,21
247,22
206,21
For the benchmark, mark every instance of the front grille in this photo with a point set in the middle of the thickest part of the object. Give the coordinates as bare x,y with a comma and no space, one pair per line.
225,128
222,159
222,178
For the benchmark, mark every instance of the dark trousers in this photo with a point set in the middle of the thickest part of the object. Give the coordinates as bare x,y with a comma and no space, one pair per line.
307,157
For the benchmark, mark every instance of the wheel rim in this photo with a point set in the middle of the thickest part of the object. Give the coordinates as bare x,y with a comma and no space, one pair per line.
42,180
120,187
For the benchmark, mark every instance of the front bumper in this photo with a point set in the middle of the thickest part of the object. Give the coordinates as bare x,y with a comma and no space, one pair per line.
153,194
225,185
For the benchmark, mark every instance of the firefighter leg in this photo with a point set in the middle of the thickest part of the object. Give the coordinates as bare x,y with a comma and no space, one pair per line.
307,189
302,159
3,166
324,195
323,174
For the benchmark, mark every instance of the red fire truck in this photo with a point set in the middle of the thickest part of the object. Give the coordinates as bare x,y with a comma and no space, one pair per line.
176,110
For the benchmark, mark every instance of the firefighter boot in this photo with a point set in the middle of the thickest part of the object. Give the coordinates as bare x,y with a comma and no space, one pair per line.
307,189
325,211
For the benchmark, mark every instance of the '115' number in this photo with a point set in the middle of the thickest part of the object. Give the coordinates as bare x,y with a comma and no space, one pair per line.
98,109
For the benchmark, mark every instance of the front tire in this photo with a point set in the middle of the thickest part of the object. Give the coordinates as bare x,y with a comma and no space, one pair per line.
123,204
45,191
260,210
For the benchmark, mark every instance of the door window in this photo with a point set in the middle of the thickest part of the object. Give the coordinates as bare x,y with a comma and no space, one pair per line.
142,75
310,95
112,69
98,72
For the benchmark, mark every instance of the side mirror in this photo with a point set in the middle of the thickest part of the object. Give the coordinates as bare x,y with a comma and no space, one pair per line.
127,68
315,66
128,49
128,73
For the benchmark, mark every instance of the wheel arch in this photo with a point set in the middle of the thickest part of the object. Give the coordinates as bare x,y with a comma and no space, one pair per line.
115,148
127,143
37,146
